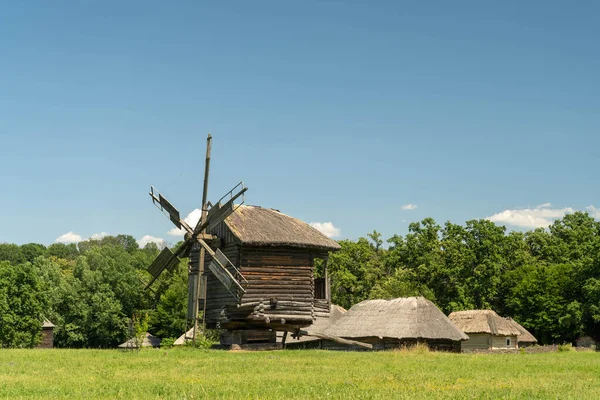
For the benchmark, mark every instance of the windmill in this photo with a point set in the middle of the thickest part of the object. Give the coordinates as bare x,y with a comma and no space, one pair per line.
212,214
260,268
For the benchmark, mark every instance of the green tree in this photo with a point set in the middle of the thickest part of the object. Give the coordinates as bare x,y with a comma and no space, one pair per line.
11,253
65,251
22,305
169,319
31,251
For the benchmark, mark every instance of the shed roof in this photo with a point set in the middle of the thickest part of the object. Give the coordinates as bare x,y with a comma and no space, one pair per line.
483,321
402,318
148,341
257,226
47,324
525,336
185,337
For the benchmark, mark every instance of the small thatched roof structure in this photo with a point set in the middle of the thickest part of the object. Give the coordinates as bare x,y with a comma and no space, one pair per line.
257,226
47,324
148,341
483,321
525,336
403,318
319,326
186,337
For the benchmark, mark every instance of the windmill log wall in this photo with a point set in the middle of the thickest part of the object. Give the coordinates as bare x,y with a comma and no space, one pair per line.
280,287
217,296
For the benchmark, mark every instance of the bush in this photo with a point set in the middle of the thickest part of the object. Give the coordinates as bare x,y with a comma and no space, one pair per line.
565,347
167,343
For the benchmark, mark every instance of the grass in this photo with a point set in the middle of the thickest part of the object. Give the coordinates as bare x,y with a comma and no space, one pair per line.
192,374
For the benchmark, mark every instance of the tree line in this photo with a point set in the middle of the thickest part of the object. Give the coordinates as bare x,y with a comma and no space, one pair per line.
546,279
90,291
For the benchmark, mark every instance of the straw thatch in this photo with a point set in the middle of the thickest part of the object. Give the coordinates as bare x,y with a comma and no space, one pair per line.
257,226
403,318
148,341
47,324
525,336
483,321
184,338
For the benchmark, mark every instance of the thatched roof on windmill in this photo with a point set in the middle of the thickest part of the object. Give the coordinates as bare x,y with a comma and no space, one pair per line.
258,226
483,321
403,318
525,336
148,341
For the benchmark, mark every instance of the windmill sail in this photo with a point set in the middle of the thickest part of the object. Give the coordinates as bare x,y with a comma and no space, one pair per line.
220,267
165,260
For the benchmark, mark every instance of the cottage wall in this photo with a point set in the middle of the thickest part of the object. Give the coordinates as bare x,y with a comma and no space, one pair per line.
478,341
500,342
486,341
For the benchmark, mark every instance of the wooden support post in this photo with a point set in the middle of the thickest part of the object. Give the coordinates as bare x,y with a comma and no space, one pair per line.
327,284
201,288
283,339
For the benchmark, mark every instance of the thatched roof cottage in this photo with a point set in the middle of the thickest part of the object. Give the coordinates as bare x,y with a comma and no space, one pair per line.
525,338
395,323
486,329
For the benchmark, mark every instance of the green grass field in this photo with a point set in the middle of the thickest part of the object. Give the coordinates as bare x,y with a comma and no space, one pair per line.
192,373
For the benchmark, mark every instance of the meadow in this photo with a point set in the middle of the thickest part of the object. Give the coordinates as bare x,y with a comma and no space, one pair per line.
188,373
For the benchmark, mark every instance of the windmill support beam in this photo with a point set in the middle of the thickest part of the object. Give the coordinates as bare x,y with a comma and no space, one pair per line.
200,292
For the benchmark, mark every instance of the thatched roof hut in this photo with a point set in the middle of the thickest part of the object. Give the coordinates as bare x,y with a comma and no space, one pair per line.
397,322
148,341
184,338
525,338
486,330
47,335
258,226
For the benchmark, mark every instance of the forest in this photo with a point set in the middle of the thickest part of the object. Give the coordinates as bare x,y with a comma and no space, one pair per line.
546,279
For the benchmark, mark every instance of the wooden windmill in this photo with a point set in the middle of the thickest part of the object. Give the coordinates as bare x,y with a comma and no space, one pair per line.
252,267
220,266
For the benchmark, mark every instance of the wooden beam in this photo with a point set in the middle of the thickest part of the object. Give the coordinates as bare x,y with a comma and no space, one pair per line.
337,339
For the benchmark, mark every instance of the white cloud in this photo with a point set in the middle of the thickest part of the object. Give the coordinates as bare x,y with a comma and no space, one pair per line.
326,228
69,237
160,242
539,217
98,236
593,211
191,219
408,207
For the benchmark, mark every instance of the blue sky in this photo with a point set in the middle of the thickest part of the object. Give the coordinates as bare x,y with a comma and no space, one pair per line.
330,111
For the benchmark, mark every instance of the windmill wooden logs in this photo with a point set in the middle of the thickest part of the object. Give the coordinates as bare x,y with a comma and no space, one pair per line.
276,255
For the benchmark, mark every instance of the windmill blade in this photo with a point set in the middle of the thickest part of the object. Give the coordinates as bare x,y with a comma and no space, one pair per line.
167,260
219,211
221,266
167,208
